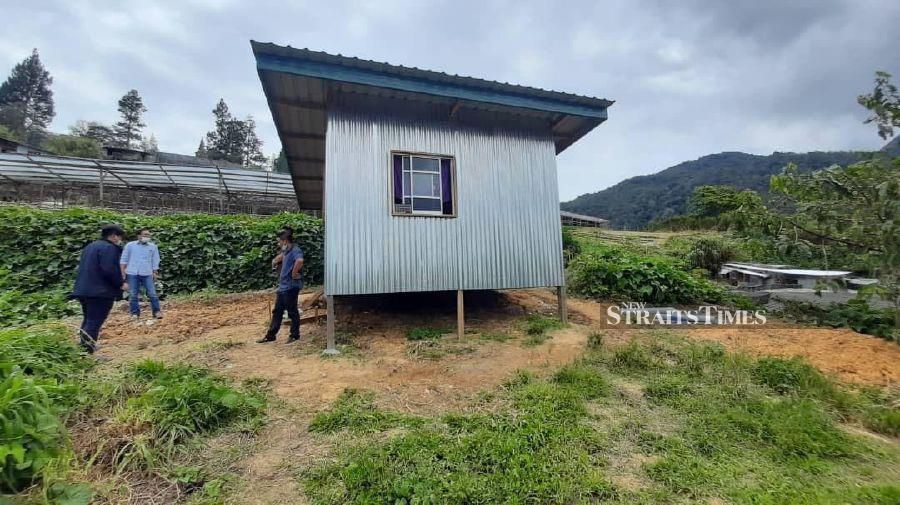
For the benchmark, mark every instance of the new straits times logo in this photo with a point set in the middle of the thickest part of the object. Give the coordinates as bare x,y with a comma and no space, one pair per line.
638,314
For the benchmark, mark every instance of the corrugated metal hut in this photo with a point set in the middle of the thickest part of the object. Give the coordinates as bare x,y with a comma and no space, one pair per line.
427,181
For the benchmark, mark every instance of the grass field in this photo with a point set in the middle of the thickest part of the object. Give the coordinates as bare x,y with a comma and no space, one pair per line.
661,420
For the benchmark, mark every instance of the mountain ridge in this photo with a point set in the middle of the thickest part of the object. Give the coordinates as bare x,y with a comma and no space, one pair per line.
636,201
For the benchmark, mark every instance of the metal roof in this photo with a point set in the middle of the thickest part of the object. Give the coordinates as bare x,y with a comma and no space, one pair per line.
301,85
778,269
582,217
24,168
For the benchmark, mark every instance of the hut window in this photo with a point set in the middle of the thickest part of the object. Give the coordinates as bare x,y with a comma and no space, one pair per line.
422,184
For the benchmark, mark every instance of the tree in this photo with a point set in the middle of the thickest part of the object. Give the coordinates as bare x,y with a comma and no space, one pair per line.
72,145
201,150
150,144
251,145
103,134
884,104
280,164
128,129
234,139
26,100
6,133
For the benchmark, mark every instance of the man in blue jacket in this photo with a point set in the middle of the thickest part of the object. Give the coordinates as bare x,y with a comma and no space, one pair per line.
99,283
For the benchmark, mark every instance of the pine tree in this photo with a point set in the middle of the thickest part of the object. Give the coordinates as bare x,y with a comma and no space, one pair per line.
251,145
150,144
201,150
128,129
233,139
26,100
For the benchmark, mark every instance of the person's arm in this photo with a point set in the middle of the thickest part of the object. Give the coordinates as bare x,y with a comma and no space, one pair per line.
126,257
298,264
155,262
277,260
110,270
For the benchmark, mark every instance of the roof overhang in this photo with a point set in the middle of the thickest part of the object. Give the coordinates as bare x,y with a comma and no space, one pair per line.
300,85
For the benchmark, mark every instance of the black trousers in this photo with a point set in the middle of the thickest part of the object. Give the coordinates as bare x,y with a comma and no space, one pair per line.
94,312
285,301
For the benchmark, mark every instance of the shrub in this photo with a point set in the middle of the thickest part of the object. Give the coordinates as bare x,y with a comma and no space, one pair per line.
855,314
31,433
710,253
18,308
183,400
611,273
537,326
229,253
425,333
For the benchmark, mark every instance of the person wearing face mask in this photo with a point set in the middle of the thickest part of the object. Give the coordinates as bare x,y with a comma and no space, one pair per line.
98,283
289,285
140,267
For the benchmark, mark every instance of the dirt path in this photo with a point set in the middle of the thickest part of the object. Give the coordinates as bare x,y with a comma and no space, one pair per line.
222,335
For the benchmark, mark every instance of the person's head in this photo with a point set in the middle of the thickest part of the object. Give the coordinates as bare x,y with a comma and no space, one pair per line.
113,233
144,235
285,238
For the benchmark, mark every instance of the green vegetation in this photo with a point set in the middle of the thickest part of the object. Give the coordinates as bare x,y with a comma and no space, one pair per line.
540,450
537,327
47,383
354,410
704,423
613,273
856,314
226,253
39,372
425,333
634,203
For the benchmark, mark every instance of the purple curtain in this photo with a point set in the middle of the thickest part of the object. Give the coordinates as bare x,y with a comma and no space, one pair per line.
398,180
446,188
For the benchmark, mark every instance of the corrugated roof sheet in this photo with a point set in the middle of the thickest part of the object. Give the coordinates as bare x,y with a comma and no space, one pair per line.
428,75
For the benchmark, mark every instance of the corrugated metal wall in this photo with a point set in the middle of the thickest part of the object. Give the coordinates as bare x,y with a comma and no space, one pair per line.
506,233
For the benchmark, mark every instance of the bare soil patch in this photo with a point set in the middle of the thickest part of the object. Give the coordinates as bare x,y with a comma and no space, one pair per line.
221,333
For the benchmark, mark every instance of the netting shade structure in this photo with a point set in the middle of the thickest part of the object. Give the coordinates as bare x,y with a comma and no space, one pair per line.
150,187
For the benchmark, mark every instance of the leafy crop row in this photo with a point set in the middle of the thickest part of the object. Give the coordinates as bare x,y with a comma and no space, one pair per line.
614,273
39,252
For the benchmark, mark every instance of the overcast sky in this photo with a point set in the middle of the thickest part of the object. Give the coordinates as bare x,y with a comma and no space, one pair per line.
689,77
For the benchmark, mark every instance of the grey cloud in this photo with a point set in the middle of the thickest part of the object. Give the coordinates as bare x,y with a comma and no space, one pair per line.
689,78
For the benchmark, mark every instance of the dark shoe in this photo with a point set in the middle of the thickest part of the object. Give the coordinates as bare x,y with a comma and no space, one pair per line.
265,339
291,340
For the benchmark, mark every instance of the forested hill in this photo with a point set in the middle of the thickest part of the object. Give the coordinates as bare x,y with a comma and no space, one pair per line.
634,202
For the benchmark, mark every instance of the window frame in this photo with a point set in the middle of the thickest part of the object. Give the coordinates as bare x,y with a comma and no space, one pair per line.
416,154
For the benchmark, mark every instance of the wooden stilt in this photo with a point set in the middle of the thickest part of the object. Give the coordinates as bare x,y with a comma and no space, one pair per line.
561,301
329,326
460,315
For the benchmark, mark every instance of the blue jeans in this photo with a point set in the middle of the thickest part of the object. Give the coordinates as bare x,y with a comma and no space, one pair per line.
134,287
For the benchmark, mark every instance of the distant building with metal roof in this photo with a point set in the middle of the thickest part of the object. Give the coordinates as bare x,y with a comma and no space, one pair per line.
763,276
61,181
573,219
427,181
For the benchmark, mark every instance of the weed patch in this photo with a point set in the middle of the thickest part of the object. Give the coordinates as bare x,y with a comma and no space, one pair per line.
537,327
415,334
355,410
540,452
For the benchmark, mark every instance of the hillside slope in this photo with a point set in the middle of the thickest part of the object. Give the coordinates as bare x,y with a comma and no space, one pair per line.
634,202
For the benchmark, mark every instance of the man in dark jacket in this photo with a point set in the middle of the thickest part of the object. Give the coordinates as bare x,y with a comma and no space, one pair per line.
99,283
